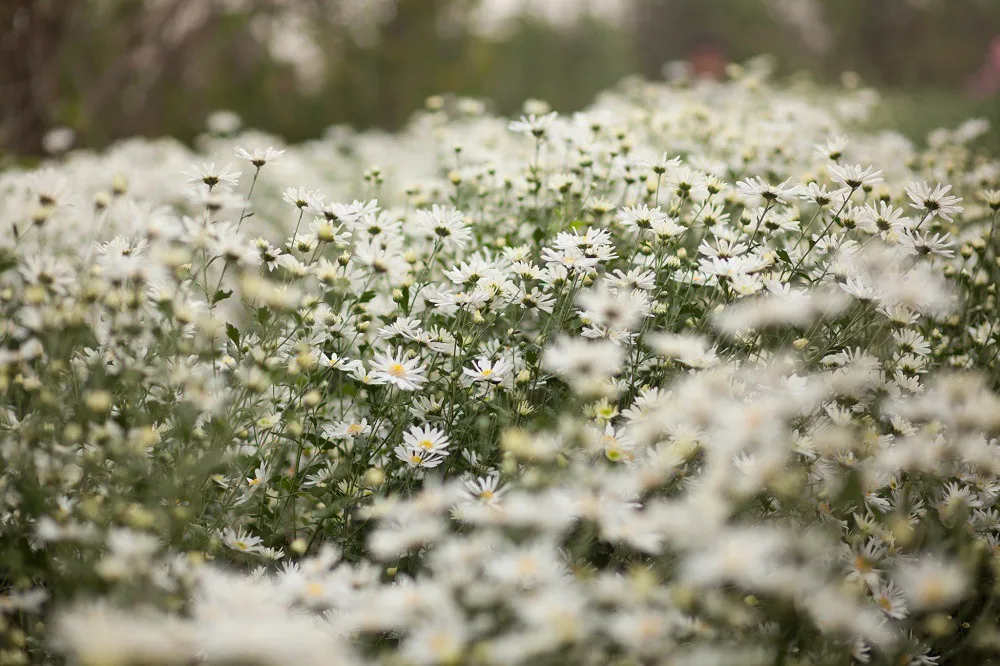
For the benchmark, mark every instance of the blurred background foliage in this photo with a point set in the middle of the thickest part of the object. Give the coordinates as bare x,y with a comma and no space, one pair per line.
113,68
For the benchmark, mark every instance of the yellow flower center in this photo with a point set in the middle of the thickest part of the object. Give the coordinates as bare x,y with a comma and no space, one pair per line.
426,444
443,647
932,592
648,628
527,566
354,429
416,459
397,370
487,372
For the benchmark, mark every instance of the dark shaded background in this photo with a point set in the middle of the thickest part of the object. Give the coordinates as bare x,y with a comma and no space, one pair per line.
114,68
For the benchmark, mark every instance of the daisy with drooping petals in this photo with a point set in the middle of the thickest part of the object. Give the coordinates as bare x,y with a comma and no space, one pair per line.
485,489
259,157
936,202
418,457
426,438
444,224
484,370
393,368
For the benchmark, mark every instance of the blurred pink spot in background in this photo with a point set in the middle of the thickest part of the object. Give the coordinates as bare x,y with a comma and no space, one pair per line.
986,81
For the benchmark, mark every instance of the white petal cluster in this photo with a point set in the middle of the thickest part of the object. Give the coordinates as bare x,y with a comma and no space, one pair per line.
702,374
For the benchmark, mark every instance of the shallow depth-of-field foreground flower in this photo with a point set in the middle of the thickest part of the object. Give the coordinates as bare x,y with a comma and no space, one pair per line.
701,375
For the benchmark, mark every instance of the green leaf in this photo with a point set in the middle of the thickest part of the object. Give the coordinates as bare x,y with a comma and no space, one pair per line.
690,310
221,295
233,333
8,260
783,256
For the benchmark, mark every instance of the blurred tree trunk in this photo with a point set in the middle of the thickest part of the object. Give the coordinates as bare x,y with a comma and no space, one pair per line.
413,54
30,35
162,44
668,30
879,32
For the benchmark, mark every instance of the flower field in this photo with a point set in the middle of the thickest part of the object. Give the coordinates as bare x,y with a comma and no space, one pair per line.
704,374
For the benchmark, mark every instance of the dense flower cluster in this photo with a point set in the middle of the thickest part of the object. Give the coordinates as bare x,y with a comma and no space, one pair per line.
704,374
